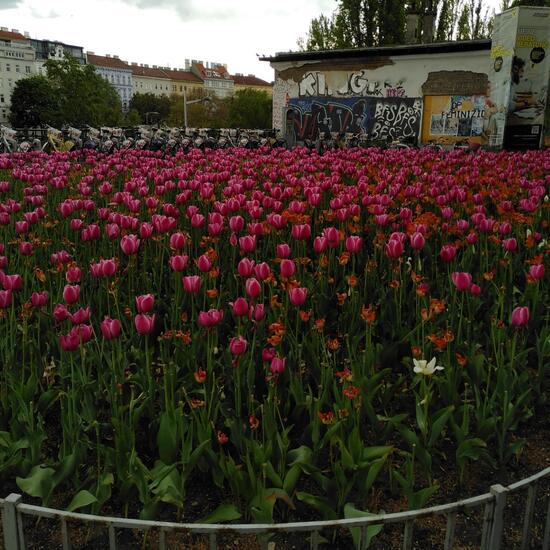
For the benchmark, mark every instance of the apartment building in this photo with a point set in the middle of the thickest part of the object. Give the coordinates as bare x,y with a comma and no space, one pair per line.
117,72
150,80
17,60
215,78
243,82
182,80
52,49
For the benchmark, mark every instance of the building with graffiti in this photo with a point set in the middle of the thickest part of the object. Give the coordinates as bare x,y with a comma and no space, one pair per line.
416,92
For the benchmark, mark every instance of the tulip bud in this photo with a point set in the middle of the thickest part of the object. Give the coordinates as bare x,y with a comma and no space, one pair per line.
145,303
39,299
145,324
288,268
5,298
177,241
204,263
536,272
277,365
262,271
253,287
71,293
394,248
297,296
354,244
520,316
191,284
447,253
417,241
245,267
240,307
178,263
238,345
110,328
283,251
461,280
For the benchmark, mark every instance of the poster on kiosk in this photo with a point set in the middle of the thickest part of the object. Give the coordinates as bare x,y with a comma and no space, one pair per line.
519,78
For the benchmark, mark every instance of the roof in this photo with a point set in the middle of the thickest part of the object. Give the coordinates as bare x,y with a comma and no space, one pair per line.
175,74
150,72
215,72
8,35
104,61
405,49
249,80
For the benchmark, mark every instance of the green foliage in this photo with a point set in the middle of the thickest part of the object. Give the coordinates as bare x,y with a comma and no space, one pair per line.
33,102
150,103
250,108
83,97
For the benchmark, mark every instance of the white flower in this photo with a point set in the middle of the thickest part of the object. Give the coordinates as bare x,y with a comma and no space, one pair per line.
424,368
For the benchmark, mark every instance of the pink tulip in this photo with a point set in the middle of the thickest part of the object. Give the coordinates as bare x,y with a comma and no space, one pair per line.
129,244
268,354
80,316
257,313
39,299
73,275
510,245
462,280
520,316
236,223
354,244
71,294
240,307
145,303
262,271
191,284
204,263
332,236
245,267
301,232
145,324
536,272
69,342
11,282
25,248
178,263
288,268
277,365
320,244
417,241
177,241
253,287
60,313
475,290
297,296
283,251
108,267
210,318
447,253
247,243
110,328
5,298
238,345
394,248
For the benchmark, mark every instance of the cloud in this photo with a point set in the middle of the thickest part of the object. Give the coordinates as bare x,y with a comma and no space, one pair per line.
216,10
38,14
10,4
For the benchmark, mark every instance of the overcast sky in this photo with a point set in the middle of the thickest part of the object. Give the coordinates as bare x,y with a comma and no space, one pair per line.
166,32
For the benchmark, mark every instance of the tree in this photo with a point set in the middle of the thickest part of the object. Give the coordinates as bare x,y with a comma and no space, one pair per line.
33,102
150,103
84,97
250,108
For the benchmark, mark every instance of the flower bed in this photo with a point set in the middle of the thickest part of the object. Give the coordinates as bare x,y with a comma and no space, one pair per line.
298,330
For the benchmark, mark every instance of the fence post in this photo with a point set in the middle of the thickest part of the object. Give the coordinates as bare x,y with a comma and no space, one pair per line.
497,525
9,522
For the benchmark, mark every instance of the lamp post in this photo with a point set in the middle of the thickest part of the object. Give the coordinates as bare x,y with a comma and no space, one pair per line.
185,103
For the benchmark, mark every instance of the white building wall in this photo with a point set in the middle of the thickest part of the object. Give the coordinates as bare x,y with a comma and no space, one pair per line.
121,80
17,60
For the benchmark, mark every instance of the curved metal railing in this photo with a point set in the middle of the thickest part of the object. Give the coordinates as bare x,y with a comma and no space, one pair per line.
494,502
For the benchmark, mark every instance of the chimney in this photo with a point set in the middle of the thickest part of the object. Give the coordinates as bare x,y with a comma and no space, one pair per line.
90,53
26,34
115,57
412,25
428,23
15,30
107,55
5,29
187,64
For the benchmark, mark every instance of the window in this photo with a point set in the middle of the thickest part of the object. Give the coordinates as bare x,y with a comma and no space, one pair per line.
8,68
17,69
174,88
2,100
28,69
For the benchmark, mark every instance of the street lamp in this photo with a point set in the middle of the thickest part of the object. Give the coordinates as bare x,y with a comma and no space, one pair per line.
185,103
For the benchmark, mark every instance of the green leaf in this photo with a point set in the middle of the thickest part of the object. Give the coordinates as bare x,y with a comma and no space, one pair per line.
291,479
38,483
439,424
167,438
350,512
81,499
320,504
224,512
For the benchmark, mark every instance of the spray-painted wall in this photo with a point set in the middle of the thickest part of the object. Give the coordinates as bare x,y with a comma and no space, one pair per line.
381,97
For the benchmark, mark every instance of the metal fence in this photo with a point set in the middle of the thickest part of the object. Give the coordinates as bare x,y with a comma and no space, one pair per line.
492,528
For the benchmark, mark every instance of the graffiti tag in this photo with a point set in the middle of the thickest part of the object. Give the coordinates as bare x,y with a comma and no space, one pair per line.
396,119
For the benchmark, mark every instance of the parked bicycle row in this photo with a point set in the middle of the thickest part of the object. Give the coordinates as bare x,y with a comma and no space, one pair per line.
171,140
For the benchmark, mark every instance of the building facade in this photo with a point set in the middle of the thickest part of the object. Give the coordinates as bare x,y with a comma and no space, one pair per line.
117,72
182,80
216,80
242,82
417,92
51,49
150,80
17,60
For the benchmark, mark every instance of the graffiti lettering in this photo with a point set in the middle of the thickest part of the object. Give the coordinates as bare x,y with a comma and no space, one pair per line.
313,84
359,84
397,119
396,90
472,113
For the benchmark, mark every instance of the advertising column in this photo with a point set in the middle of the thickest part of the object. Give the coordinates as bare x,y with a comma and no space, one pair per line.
519,78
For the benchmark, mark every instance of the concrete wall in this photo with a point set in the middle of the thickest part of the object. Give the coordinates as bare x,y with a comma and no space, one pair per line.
359,94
